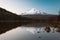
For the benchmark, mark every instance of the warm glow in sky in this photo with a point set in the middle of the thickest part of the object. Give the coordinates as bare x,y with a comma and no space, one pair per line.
19,6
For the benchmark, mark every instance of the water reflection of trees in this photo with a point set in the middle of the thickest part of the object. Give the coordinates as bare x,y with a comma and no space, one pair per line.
58,28
7,26
49,29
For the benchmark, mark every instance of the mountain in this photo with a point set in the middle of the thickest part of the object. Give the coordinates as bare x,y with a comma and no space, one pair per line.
36,14
6,15
30,12
9,16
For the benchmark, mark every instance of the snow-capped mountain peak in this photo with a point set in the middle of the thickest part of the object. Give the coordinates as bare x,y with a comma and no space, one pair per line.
34,11
31,11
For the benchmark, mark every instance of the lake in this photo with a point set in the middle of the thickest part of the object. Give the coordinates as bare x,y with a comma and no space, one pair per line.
32,32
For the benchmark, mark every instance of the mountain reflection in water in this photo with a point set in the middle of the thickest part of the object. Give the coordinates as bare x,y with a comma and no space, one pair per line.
32,32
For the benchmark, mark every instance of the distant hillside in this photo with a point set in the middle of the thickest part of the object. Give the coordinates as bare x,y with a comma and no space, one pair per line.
6,15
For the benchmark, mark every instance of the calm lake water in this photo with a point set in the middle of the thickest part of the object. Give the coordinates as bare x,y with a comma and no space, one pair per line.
31,32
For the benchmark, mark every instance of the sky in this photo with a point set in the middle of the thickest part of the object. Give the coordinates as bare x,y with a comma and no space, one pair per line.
20,6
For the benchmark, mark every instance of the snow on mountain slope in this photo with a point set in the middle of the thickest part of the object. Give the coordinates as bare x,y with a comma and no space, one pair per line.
31,11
